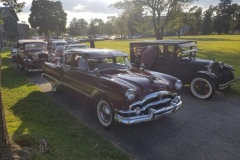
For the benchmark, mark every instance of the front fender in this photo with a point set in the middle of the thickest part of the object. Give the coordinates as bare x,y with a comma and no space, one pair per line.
210,75
228,67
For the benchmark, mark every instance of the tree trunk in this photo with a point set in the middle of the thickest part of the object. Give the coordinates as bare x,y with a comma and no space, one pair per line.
4,138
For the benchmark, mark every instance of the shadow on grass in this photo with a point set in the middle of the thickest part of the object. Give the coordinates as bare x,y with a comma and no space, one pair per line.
37,115
12,78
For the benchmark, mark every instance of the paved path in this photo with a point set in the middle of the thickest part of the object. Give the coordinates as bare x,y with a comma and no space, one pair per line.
201,130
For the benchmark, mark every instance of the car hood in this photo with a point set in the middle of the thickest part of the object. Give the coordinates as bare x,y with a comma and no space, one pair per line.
140,80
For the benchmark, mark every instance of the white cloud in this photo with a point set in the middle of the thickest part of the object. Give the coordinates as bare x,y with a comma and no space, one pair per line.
78,7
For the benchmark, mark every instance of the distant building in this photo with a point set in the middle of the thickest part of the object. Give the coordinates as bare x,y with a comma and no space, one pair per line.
8,29
23,31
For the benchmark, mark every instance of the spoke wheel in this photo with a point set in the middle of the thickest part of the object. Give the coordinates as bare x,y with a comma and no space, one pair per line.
202,88
104,113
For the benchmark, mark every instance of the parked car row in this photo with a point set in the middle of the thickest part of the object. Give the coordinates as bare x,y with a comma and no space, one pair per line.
123,91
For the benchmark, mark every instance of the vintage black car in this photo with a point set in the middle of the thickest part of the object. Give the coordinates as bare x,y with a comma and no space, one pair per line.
31,54
178,58
119,91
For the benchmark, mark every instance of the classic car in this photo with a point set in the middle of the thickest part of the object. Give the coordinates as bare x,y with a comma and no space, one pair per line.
178,58
56,45
121,93
70,47
14,50
31,54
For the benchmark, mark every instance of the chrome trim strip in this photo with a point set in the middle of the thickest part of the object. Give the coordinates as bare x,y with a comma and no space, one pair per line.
225,85
34,70
152,95
153,114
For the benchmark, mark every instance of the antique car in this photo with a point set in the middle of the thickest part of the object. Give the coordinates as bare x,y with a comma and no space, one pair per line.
120,92
14,50
31,54
70,47
178,58
56,45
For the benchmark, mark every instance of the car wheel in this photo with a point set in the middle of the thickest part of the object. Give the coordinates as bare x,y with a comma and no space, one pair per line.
26,72
104,113
54,87
202,87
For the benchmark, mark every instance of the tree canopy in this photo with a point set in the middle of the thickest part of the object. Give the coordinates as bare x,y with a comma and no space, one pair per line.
159,10
13,3
48,17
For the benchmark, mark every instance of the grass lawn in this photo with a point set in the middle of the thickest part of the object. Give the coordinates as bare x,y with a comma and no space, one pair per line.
31,115
224,48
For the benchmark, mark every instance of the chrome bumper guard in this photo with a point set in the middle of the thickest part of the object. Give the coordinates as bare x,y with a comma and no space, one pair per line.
225,85
34,70
152,113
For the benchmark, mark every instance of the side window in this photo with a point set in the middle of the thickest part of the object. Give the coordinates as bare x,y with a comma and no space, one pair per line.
168,51
68,59
80,62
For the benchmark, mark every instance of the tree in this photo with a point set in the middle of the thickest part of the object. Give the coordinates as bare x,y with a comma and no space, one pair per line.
207,21
159,10
48,17
195,19
224,11
178,19
13,3
5,141
235,18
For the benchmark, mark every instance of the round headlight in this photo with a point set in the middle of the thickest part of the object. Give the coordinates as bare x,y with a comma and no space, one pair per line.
178,85
130,94
137,110
35,57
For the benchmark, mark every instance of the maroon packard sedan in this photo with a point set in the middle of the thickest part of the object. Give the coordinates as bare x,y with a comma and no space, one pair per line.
122,93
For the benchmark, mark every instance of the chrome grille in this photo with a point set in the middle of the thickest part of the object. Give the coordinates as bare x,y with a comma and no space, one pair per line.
155,100
42,56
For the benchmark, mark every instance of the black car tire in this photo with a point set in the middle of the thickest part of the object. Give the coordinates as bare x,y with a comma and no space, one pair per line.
104,113
26,72
202,87
55,88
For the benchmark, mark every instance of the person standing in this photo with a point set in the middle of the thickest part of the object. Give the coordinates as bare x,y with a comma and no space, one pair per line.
148,57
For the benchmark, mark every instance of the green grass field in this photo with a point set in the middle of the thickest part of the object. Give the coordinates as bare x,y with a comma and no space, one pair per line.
224,48
32,115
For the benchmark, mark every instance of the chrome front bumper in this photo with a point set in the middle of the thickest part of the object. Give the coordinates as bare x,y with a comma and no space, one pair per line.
152,114
225,85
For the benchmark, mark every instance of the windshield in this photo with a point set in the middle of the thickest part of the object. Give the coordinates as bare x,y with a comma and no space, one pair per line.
61,44
188,50
80,46
36,46
106,63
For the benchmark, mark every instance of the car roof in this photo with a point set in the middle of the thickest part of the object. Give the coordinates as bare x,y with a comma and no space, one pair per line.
57,41
96,53
30,41
77,45
163,42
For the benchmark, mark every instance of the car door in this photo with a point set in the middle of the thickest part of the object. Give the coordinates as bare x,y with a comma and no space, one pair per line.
81,78
165,61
